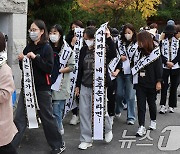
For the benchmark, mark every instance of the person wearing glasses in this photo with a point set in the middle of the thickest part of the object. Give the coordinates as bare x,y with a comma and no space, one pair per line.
41,54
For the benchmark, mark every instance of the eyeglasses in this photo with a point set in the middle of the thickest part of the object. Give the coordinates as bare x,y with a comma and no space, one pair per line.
32,30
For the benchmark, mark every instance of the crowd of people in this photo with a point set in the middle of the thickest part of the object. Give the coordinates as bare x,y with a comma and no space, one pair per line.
149,63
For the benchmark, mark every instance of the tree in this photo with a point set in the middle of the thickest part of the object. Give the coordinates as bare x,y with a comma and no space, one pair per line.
146,7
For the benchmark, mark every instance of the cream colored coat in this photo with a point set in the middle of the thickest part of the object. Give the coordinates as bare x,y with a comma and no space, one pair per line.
7,127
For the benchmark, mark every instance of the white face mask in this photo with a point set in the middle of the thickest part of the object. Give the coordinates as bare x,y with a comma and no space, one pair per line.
89,42
128,36
54,38
33,36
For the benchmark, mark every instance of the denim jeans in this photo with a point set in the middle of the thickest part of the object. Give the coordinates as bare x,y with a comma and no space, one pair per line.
125,91
58,108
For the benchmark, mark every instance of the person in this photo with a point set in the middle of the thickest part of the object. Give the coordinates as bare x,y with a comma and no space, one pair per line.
149,78
7,127
170,57
84,86
71,40
91,23
59,97
41,54
125,89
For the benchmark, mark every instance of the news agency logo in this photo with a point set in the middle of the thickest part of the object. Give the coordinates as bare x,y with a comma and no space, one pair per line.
169,139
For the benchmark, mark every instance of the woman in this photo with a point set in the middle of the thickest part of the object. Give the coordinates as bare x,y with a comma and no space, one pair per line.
84,86
127,46
170,57
148,70
59,97
41,54
7,127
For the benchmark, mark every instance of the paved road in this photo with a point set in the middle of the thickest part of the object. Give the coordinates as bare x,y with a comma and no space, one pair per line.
34,140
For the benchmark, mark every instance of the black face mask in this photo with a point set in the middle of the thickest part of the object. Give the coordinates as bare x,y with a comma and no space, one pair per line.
169,36
143,51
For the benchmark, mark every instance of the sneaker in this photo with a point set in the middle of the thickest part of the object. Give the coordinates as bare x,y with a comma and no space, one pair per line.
74,120
171,110
130,122
163,109
84,145
58,151
152,125
141,131
118,115
112,119
108,137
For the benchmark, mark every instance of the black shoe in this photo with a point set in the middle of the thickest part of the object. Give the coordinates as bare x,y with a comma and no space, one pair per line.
58,151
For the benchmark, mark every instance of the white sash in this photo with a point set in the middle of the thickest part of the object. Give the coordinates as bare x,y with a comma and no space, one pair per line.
70,103
141,63
129,52
66,53
99,84
170,52
29,93
3,57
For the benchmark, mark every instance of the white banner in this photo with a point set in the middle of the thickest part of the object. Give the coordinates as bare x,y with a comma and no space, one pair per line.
29,93
99,84
66,53
70,103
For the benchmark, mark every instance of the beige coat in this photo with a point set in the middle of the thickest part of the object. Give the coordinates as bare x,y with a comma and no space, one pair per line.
7,127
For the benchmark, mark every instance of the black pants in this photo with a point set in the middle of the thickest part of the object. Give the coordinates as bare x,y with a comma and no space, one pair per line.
174,82
111,98
8,149
146,94
45,113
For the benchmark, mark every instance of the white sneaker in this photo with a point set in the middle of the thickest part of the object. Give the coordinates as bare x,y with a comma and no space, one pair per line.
141,131
163,109
112,119
118,115
171,110
152,125
74,120
130,122
108,137
84,145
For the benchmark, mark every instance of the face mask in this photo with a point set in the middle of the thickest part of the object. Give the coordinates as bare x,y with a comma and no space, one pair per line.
128,36
54,38
89,42
33,36
115,39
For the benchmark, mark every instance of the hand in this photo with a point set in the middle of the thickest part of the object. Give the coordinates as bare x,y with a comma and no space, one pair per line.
170,64
158,86
74,39
31,55
107,32
21,56
77,91
114,74
123,58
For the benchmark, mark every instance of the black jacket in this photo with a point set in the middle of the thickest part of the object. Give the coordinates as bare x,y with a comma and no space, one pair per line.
110,54
42,64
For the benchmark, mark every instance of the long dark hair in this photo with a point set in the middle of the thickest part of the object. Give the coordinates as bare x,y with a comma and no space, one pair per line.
146,40
41,25
60,30
2,42
131,27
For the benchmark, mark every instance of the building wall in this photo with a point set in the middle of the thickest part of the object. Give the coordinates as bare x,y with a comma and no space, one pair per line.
13,22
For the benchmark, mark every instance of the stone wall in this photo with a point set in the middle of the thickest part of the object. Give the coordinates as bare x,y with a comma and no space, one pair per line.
13,22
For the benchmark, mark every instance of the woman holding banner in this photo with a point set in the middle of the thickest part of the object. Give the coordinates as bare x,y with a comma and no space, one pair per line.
41,54
85,86
59,46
